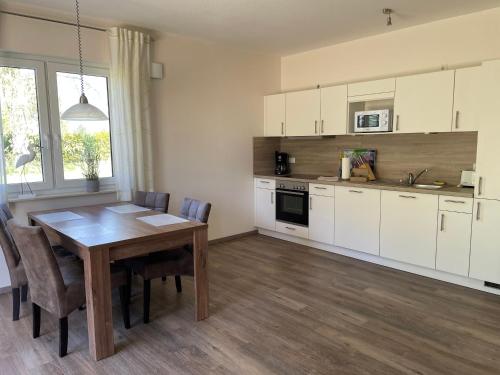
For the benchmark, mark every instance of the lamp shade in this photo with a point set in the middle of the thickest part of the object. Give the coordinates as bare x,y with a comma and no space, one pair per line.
83,111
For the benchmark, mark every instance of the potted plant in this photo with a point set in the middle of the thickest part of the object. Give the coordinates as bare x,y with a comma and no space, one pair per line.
91,158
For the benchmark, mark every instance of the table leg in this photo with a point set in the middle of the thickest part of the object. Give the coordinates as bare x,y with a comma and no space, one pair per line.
200,255
99,313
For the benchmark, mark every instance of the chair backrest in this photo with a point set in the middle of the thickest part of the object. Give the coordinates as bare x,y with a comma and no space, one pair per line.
154,200
46,283
9,248
193,209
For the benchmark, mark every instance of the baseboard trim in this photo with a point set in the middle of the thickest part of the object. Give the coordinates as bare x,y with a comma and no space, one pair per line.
426,272
233,237
5,290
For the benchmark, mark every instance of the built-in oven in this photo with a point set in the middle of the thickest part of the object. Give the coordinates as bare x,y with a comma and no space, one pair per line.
292,202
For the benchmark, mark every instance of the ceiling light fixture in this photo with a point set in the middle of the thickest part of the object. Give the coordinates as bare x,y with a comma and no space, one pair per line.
83,111
388,12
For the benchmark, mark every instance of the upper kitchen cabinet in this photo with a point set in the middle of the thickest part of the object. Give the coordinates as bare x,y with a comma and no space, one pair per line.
333,110
376,87
303,113
487,176
274,115
467,89
424,103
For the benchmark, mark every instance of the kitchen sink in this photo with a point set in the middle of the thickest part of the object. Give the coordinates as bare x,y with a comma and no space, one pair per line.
428,187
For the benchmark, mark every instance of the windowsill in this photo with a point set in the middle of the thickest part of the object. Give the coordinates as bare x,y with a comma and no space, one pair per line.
61,195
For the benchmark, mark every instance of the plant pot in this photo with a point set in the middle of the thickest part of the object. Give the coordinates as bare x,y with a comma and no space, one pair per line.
92,186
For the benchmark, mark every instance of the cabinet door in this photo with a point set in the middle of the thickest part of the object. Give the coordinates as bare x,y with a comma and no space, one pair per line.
453,242
424,103
485,247
303,113
265,209
321,218
274,110
408,227
488,142
357,219
334,110
465,99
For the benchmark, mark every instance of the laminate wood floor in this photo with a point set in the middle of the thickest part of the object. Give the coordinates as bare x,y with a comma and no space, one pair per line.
279,308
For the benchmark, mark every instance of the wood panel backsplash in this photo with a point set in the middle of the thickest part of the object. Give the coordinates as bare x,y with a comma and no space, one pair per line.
445,154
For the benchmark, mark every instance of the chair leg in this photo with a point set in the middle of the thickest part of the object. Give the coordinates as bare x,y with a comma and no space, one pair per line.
125,305
16,303
147,298
178,284
36,320
24,293
63,336
164,278
129,284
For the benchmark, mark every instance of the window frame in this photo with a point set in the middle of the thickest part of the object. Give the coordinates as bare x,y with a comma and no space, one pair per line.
52,69
46,69
43,121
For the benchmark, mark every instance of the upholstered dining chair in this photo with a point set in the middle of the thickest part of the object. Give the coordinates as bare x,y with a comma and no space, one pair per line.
18,279
153,200
176,262
58,290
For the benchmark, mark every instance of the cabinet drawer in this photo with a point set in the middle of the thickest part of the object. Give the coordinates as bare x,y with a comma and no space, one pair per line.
325,190
372,87
292,230
455,204
265,183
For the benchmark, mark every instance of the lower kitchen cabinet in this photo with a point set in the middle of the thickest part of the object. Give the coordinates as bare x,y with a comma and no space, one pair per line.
408,227
453,242
357,219
265,208
321,218
485,245
292,229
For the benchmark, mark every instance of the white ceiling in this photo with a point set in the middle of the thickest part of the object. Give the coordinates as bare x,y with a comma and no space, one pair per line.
273,26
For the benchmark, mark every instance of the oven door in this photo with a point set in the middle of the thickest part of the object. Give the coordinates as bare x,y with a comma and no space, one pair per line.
292,207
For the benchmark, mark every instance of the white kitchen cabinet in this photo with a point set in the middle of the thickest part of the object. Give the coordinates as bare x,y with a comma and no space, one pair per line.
274,115
357,219
424,103
488,142
292,229
408,227
485,245
265,208
333,110
372,87
467,89
453,242
321,218
303,113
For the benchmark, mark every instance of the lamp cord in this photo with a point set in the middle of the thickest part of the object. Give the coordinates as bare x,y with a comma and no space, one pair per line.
79,44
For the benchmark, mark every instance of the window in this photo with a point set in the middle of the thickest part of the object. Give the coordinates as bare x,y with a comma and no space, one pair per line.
52,147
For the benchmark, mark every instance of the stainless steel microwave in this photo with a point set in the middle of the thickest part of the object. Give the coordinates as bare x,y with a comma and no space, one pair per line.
373,121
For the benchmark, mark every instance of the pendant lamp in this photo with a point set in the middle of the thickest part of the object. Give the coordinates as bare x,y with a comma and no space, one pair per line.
83,111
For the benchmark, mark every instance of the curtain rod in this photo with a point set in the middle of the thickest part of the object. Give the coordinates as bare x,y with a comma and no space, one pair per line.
50,20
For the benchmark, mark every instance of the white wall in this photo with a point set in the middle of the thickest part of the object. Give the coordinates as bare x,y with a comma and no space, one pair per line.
455,41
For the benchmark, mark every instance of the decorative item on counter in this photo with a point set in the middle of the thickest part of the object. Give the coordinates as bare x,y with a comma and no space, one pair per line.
346,168
360,156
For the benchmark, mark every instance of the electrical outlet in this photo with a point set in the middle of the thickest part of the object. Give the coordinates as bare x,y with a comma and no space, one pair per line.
291,160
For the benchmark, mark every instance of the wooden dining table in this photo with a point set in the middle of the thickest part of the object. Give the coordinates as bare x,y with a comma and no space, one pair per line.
101,236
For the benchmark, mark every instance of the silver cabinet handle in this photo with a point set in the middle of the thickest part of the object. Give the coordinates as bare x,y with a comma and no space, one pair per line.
290,228
397,122
282,128
453,201
457,115
356,191
310,203
315,126
442,222
320,188
264,182
272,197
407,196
480,186
478,212
322,126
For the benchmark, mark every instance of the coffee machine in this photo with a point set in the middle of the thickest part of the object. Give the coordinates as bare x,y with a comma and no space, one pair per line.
282,166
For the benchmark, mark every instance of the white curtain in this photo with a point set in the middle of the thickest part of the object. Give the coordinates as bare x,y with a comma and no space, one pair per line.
3,178
130,111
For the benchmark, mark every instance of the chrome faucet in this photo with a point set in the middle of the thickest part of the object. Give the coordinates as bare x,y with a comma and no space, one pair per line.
413,179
